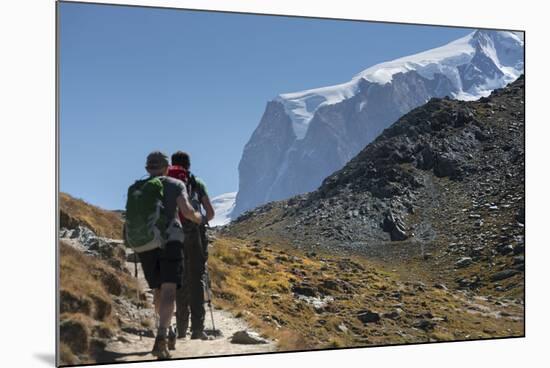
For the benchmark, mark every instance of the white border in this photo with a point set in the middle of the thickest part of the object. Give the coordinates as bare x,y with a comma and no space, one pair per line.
27,189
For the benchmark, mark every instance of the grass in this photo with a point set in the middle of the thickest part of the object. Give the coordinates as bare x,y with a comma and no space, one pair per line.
86,302
255,280
77,212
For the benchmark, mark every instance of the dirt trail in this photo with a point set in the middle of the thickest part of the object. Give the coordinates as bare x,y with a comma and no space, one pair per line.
130,347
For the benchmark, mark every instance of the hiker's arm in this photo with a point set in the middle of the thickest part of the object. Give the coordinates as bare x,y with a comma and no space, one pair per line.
208,207
188,211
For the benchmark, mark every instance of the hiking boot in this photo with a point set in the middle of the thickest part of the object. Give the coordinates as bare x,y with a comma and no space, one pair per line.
182,333
199,335
171,341
160,348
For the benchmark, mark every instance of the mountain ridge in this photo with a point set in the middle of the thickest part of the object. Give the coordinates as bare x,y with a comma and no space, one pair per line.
305,136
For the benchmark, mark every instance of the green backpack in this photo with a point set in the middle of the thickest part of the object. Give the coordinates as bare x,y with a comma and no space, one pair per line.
145,220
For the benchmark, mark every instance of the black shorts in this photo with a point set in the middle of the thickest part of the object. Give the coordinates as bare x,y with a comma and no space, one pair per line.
163,265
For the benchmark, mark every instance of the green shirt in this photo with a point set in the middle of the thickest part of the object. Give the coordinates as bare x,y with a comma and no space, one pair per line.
201,188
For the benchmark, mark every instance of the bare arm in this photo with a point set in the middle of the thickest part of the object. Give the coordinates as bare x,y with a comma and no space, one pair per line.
208,207
187,210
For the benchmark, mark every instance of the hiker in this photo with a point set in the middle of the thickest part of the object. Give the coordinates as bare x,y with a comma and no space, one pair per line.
154,230
190,298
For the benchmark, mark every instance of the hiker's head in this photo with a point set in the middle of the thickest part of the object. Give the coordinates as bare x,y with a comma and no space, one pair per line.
157,163
181,158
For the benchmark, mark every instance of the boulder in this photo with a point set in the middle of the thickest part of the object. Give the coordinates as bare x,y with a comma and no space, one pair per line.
463,262
395,227
247,338
425,324
368,316
304,289
447,165
502,275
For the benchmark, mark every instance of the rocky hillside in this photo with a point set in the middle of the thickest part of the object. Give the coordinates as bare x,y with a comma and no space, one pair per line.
98,297
305,136
444,184
76,212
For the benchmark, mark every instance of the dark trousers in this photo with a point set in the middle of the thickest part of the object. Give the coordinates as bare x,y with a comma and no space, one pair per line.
190,297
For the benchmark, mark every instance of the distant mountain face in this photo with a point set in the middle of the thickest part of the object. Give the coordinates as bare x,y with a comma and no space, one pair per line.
448,175
303,137
223,206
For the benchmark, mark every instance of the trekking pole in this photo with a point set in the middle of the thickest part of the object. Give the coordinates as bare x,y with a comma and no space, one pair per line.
137,292
209,293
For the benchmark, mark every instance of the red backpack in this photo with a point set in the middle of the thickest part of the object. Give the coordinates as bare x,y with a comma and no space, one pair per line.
179,172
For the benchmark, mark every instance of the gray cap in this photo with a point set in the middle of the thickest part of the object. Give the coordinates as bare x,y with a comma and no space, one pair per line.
156,160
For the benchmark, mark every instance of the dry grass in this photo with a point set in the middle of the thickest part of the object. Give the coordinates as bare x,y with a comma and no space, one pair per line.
86,301
255,281
77,212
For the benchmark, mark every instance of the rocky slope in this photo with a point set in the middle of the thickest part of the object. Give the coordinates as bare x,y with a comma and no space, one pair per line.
303,137
443,186
74,212
316,300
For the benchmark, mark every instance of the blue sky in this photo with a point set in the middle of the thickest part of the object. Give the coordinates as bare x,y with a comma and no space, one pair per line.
133,80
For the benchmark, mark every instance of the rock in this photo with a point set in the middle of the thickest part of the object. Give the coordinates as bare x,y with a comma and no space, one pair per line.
502,275
520,217
111,250
426,159
395,226
342,327
505,249
425,324
247,338
481,136
304,289
368,316
519,249
329,285
447,165
393,314
519,260
440,286
469,283
463,262
138,330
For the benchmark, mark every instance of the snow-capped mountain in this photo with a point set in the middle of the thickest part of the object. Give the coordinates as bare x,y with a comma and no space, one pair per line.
223,206
305,136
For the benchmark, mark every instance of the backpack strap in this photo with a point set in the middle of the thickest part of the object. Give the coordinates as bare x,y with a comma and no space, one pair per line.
192,182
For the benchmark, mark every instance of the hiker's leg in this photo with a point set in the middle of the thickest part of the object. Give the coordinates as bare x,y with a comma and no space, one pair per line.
182,309
196,284
150,264
197,300
167,304
156,300
171,273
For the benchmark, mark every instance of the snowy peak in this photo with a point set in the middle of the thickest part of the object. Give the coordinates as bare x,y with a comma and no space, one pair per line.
223,206
303,137
474,64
